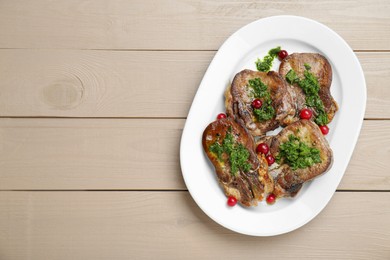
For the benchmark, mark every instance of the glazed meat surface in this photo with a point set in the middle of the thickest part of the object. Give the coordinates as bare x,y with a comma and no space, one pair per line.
288,181
239,97
223,142
321,69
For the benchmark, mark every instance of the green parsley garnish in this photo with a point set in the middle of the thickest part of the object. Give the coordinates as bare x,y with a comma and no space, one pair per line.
292,77
310,87
307,66
238,155
266,112
297,154
239,159
216,149
260,90
266,64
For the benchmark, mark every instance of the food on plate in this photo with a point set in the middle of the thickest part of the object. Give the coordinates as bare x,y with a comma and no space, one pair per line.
297,98
260,101
301,153
311,76
242,174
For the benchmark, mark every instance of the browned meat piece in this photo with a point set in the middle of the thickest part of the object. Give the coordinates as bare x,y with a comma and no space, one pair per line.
239,97
247,181
321,69
288,181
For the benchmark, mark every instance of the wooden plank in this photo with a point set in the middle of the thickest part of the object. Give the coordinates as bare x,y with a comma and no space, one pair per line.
169,225
376,69
99,83
369,165
90,154
136,154
60,83
176,24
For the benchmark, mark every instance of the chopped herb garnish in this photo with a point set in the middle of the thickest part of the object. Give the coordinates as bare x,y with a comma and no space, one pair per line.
216,149
307,66
238,155
321,118
239,159
297,154
266,112
266,64
274,52
309,84
310,87
260,90
292,77
228,143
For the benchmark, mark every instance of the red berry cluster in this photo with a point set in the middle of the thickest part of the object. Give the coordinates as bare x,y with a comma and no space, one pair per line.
264,149
307,114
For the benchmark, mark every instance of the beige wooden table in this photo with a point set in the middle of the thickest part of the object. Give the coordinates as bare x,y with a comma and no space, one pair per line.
93,99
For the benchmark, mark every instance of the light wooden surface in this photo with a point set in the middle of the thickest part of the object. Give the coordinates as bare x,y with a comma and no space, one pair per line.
169,225
93,99
176,24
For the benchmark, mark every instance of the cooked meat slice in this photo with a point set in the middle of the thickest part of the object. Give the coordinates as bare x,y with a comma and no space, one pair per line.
240,172
248,85
321,69
320,66
302,153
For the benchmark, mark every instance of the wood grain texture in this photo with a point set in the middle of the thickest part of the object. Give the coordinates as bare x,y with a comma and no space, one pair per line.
60,83
376,67
169,225
137,154
176,24
90,154
99,83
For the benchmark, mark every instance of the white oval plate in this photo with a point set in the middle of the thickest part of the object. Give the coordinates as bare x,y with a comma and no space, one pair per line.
294,34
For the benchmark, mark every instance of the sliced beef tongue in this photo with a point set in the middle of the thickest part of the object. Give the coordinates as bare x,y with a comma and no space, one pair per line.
321,69
288,181
239,98
248,186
